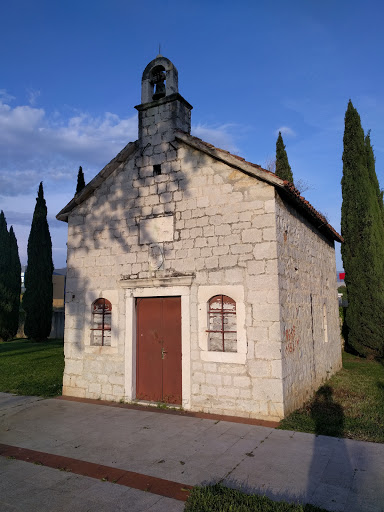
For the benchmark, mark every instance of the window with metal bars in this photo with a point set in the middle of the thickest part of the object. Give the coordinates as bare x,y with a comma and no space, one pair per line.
101,322
222,331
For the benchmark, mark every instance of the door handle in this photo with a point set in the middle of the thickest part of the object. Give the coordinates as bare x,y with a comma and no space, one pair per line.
163,352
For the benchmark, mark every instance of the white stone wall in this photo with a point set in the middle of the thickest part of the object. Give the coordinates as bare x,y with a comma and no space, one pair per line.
309,306
224,232
228,230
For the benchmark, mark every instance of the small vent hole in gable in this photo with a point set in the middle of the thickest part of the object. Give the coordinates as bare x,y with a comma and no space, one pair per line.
157,169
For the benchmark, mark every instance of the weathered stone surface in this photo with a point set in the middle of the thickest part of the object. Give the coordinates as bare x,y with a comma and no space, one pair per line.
307,294
205,218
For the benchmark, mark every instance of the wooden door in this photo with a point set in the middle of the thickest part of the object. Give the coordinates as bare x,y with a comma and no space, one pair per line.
158,362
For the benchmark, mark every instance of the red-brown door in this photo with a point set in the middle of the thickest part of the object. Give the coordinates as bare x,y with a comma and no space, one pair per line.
158,371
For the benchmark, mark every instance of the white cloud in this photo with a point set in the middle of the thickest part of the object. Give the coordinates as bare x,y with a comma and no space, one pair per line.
36,146
32,96
4,96
219,136
285,130
14,183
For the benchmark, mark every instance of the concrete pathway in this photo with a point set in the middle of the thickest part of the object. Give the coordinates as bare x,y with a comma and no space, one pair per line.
336,474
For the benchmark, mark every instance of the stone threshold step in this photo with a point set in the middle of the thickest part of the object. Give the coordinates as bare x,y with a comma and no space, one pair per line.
171,409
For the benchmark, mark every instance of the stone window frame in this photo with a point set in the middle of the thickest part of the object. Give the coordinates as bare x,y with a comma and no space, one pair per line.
204,294
90,297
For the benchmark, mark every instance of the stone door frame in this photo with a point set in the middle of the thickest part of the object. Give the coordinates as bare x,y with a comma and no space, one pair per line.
157,287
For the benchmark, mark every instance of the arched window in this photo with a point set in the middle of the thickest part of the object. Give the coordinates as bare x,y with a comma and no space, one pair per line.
222,330
101,322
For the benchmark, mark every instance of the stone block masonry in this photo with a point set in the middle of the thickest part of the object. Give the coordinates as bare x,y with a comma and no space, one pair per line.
210,242
309,306
173,216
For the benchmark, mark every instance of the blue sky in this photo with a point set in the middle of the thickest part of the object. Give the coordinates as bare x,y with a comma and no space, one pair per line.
70,76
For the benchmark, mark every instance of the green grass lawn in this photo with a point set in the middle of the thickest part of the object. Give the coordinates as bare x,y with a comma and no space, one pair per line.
350,404
217,498
29,368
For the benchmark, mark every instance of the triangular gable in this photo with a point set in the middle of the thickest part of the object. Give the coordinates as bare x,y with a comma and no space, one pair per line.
286,189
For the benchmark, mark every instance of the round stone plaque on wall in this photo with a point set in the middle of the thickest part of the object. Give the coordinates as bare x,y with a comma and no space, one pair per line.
155,256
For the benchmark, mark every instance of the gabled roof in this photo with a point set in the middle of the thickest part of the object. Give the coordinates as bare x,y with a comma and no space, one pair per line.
286,189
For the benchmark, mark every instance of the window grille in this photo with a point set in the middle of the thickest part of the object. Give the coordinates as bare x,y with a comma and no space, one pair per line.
222,330
101,322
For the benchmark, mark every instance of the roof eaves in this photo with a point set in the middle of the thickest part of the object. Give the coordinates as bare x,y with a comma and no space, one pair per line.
320,221
95,183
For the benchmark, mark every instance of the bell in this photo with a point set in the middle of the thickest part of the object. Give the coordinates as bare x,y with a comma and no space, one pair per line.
159,90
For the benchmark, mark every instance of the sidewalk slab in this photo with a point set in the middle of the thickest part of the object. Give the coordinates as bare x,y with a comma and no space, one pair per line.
337,474
26,487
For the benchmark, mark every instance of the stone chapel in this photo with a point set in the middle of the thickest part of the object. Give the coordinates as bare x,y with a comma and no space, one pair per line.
196,278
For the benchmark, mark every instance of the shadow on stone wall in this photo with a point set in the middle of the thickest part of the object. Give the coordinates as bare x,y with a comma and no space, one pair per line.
115,223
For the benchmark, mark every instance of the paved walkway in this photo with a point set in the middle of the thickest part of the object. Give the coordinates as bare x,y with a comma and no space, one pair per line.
164,454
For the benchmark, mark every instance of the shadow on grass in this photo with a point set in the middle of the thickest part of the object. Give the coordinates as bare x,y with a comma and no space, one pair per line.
321,416
25,347
327,415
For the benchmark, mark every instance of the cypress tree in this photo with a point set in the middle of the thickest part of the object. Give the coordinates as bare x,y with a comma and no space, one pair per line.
372,171
37,300
363,250
5,296
15,277
283,169
10,281
80,180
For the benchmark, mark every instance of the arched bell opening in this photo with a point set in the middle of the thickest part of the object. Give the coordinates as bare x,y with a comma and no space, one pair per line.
158,82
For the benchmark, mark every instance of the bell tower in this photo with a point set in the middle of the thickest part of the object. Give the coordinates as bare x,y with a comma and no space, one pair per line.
163,110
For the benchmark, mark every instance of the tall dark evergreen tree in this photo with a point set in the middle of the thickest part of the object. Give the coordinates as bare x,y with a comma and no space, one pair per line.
363,249
283,169
372,171
5,298
15,278
10,281
37,300
80,180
